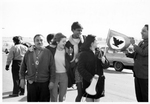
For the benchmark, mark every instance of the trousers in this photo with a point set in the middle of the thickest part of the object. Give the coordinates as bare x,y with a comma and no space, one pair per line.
60,87
38,92
15,76
141,89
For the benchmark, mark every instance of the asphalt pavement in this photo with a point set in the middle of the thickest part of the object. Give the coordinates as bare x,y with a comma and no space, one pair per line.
119,86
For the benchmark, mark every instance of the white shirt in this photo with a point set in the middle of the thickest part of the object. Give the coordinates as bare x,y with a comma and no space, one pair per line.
17,52
60,61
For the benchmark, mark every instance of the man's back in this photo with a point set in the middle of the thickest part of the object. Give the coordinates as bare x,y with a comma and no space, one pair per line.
17,52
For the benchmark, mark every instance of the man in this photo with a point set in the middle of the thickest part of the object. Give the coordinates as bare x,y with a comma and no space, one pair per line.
75,40
140,70
38,69
15,56
73,47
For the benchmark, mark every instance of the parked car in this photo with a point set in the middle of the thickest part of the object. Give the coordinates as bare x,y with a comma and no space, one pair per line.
118,59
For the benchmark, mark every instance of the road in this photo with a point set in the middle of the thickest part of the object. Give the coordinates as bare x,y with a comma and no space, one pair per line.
119,86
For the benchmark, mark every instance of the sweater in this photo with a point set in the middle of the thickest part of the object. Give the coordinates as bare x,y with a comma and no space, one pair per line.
60,61
45,71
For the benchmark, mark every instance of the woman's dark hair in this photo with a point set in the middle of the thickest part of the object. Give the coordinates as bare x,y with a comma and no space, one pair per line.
87,43
57,38
49,38
17,39
54,43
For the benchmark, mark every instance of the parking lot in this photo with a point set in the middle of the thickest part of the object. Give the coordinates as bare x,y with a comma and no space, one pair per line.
119,87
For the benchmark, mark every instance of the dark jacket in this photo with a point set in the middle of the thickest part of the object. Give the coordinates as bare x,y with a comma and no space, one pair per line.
88,66
68,45
71,57
140,60
67,63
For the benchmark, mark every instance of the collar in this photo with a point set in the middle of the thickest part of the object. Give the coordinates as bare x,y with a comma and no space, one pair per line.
41,49
71,39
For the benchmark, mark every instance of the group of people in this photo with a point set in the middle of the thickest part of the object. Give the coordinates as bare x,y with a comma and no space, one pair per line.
49,71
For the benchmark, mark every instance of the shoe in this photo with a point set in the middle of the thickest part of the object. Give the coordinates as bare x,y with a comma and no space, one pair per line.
74,87
21,94
13,95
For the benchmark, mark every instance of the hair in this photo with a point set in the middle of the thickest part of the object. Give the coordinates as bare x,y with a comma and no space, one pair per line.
146,25
57,38
17,39
50,37
76,25
37,36
87,43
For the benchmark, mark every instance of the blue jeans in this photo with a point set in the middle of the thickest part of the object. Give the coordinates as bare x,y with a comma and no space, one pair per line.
60,87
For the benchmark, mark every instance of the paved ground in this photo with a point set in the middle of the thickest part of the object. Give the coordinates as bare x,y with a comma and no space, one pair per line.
119,87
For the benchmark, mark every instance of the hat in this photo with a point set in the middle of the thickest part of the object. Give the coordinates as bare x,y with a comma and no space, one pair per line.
58,37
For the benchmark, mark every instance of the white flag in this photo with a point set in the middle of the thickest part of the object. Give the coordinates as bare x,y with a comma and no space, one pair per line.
117,41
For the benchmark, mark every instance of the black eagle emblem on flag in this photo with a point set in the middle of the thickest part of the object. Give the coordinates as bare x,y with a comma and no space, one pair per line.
117,42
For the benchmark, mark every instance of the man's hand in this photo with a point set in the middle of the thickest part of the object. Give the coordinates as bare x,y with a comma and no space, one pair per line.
22,83
132,41
31,48
7,67
51,85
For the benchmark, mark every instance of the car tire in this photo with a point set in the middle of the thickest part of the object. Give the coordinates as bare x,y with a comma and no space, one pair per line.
118,66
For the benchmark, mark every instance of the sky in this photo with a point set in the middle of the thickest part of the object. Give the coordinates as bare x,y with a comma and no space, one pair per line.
30,17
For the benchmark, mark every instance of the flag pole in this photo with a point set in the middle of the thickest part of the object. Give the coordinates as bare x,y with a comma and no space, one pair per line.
105,50
106,43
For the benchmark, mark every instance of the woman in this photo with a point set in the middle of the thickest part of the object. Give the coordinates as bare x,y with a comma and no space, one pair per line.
62,67
89,64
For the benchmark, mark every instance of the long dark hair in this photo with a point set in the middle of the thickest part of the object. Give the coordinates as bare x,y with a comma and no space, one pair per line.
87,43
49,37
